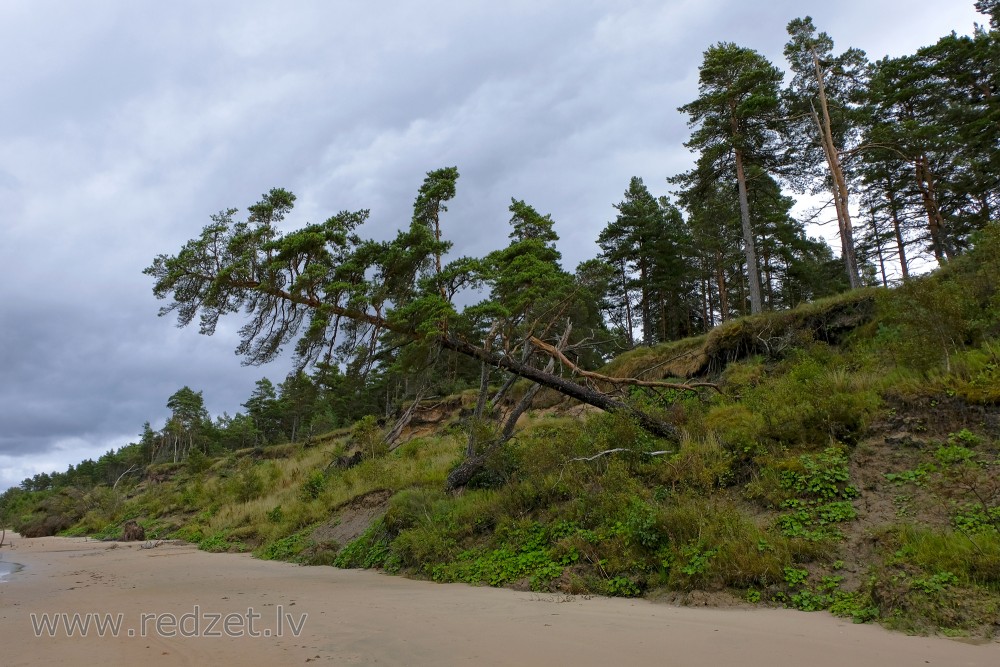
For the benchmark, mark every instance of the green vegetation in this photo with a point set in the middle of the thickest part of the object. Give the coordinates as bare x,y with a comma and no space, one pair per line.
843,454
767,495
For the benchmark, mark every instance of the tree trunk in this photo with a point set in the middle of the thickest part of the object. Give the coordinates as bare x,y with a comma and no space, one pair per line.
720,276
450,341
709,302
628,307
768,277
647,328
879,249
756,304
466,470
437,256
474,462
840,191
663,317
935,222
897,228
563,386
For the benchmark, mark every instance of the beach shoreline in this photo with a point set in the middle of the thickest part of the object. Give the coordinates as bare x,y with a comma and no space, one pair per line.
166,598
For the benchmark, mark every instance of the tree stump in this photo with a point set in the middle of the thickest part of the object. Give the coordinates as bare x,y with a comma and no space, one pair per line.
348,461
132,531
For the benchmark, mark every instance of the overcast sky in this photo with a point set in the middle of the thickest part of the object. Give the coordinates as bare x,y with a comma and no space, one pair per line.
125,124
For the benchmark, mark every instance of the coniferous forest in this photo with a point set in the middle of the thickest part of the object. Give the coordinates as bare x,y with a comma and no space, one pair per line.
716,403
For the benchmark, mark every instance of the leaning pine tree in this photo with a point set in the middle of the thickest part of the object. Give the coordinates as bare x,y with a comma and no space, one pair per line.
320,284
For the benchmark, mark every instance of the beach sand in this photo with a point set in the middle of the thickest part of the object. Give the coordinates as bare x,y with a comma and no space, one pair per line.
348,617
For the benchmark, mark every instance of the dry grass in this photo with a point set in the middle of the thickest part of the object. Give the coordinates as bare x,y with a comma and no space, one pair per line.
683,358
420,461
766,333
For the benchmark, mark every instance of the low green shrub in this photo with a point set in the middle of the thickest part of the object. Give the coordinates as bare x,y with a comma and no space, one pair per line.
287,548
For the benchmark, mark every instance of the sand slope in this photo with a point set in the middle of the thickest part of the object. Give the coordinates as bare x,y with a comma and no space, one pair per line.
357,617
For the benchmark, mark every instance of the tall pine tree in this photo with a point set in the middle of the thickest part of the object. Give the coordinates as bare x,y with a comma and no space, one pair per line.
735,118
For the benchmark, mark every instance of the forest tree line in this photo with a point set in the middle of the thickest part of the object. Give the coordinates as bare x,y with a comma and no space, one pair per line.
905,152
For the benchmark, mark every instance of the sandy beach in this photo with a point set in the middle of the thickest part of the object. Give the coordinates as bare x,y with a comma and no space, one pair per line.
175,605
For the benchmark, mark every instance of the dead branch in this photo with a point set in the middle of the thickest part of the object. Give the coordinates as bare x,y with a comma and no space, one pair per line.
598,377
585,343
393,434
606,452
390,437
131,468
474,462
508,383
511,421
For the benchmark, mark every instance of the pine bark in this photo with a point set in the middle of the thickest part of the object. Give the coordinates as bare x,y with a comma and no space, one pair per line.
841,193
756,304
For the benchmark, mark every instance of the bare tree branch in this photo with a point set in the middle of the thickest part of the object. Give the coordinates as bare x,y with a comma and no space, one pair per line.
131,468
598,377
606,452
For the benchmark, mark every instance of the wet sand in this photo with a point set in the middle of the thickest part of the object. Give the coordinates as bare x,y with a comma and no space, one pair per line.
349,617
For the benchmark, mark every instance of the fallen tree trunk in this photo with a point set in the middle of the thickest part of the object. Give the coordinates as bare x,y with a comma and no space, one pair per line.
451,342
474,462
566,387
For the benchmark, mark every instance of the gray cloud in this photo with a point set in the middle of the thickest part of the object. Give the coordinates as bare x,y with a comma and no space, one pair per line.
127,124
